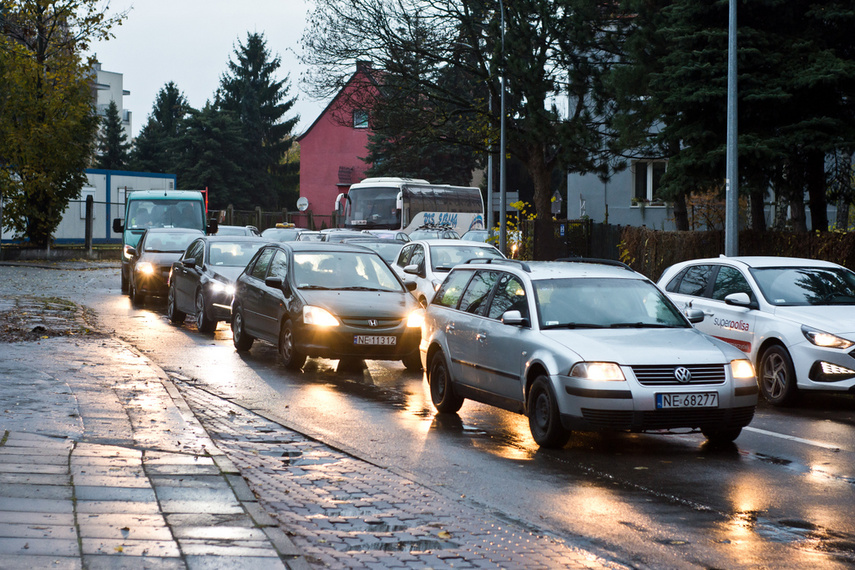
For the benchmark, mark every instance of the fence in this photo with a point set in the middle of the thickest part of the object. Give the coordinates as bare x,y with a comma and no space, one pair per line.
572,238
263,220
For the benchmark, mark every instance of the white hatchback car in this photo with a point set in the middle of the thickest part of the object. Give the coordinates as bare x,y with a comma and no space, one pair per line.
794,317
580,345
427,262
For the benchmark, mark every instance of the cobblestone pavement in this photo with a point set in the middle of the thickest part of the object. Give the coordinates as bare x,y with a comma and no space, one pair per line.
346,513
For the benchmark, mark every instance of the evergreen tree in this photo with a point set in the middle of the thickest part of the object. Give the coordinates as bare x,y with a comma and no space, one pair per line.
250,91
211,148
113,146
796,66
155,146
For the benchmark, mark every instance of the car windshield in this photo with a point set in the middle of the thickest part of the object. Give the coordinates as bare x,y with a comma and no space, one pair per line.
281,234
800,286
165,214
343,270
168,242
604,303
233,254
444,257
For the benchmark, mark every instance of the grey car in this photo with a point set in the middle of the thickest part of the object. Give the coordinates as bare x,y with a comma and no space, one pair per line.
586,346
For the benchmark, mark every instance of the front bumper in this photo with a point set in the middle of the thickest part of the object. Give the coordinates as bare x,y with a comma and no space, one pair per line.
338,342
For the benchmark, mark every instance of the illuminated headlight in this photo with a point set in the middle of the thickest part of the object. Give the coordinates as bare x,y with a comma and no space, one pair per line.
220,287
416,319
741,369
319,317
824,339
603,371
145,268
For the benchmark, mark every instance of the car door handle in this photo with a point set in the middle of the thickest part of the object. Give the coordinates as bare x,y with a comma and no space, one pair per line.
449,327
481,337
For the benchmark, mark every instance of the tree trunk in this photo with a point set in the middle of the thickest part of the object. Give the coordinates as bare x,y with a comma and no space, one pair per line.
758,210
681,213
842,214
544,234
815,175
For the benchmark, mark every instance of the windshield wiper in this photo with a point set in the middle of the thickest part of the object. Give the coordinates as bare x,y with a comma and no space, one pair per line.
360,288
315,287
574,326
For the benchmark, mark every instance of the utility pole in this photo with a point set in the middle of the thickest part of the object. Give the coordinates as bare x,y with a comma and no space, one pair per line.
731,181
503,196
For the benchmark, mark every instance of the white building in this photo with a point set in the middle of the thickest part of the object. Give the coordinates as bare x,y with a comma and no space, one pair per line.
109,87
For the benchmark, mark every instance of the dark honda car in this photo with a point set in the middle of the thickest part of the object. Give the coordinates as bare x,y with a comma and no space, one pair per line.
202,281
326,300
151,260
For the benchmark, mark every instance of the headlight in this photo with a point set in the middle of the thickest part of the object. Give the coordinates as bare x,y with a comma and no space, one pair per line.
145,268
416,319
220,287
824,339
741,369
604,371
319,317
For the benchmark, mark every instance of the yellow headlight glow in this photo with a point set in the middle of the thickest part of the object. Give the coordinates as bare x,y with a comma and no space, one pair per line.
741,369
319,317
603,371
145,268
416,318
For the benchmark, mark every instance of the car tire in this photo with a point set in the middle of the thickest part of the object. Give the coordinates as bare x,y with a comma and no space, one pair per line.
721,436
544,418
441,388
136,297
203,322
291,357
172,312
413,361
777,376
242,341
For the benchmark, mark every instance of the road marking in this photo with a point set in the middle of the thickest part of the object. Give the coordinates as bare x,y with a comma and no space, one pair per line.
793,438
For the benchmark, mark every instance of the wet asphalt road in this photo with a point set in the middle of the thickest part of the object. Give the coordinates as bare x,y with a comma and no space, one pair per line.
781,497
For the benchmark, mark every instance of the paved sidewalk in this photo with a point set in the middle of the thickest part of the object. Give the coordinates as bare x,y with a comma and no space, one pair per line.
103,465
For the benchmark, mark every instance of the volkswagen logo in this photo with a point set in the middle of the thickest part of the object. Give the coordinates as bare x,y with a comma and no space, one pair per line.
373,323
683,375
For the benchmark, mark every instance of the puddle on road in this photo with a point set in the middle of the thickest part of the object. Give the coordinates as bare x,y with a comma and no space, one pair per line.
401,546
808,537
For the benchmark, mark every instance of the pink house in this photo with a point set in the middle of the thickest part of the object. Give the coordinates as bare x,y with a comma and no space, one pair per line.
331,147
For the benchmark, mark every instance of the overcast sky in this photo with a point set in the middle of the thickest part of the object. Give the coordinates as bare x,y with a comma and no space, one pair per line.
190,43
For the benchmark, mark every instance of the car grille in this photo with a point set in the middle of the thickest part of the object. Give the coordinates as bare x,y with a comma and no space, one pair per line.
667,419
366,323
664,375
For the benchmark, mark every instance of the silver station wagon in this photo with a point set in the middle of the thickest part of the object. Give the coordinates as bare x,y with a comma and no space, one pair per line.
582,345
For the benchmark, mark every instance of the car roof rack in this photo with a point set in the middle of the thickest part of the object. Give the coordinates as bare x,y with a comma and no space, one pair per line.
490,260
612,262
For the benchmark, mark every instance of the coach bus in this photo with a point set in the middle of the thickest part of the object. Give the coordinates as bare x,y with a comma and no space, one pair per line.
407,204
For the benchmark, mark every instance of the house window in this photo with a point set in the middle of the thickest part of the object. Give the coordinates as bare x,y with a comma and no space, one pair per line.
647,177
360,119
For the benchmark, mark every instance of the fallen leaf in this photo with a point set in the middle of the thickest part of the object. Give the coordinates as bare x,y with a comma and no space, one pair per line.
444,534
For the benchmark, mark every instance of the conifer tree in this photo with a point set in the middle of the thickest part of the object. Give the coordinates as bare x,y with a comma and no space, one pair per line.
113,146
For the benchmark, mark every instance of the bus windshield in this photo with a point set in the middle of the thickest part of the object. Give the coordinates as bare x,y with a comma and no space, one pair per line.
165,214
372,208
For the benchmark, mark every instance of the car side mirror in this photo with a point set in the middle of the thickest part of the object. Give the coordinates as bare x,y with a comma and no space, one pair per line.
413,270
514,318
411,285
740,300
279,283
213,226
132,252
189,263
118,226
695,315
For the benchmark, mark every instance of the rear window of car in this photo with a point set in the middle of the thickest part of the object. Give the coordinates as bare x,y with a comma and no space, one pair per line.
448,294
691,281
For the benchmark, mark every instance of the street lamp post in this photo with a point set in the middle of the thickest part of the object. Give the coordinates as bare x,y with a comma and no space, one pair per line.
731,182
503,197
